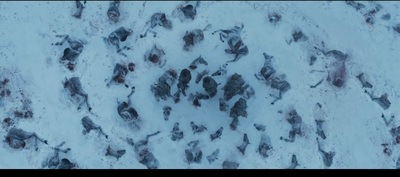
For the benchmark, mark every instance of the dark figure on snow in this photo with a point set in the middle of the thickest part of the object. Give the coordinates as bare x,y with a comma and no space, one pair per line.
193,37
117,36
89,125
113,11
236,45
162,89
75,87
295,120
16,138
79,9
157,19
72,52
184,79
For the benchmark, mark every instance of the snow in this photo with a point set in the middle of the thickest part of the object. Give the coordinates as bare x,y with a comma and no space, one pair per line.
352,124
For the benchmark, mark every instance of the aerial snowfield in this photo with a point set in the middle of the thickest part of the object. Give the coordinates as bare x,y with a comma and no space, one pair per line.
331,70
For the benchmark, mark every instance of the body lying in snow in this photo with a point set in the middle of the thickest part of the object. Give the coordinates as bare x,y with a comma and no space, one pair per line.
295,120
280,84
126,111
221,71
166,112
245,143
156,56
235,85
210,86
79,9
259,127
230,165
236,45
193,154
382,100
267,70
162,89
183,81
176,134
119,73
238,109
188,9
115,153
89,125
213,156
197,128
72,52
145,156
54,161
157,19
198,61
217,134
294,162
193,37
117,36
75,87
364,83
15,138
113,11
264,146
319,117
327,158
201,75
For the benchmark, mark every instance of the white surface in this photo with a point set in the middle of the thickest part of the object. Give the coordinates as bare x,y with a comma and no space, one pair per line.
353,125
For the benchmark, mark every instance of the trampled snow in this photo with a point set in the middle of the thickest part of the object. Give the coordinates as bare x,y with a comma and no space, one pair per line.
353,125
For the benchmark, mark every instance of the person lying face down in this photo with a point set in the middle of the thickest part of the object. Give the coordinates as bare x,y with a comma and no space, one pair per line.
155,55
72,52
236,45
217,134
294,162
188,9
194,153
113,11
327,157
184,79
235,85
117,36
144,155
162,89
157,19
193,37
74,86
364,82
210,86
166,112
126,111
213,156
197,128
230,165
264,146
295,120
198,61
120,72
243,146
54,161
176,134
114,152
279,83
267,70
79,9
383,100
89,125
238,109
16,138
